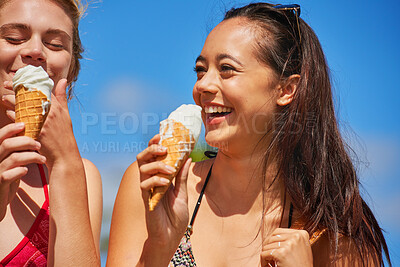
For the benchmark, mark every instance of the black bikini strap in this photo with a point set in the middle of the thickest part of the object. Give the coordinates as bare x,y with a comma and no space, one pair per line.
196,208
290,215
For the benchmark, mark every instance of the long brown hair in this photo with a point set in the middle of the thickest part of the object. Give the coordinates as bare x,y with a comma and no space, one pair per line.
314,162
74,9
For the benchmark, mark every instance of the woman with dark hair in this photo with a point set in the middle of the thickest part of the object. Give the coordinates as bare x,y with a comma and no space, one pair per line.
50,198
282,190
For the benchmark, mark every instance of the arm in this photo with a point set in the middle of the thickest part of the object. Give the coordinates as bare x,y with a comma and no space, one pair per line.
74,187
128,226
139,237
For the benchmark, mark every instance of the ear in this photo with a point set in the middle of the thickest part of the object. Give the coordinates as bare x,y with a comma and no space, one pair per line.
287,90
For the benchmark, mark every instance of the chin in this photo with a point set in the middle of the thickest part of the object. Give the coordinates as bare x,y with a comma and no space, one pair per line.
217,141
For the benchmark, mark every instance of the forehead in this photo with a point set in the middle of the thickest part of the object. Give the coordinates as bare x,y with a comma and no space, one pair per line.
233,36
36,13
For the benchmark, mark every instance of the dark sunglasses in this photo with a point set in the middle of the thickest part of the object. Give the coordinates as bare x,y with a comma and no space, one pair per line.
295,8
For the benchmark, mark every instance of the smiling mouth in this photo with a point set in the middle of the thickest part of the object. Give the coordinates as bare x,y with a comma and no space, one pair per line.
217,111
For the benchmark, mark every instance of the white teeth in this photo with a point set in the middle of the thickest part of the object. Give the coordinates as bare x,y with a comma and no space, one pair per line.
215,109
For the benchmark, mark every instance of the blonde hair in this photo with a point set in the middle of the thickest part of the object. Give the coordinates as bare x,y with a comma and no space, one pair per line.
75,10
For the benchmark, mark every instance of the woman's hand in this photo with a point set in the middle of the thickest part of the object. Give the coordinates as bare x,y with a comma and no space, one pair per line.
15,153
167,223
56,134
56,137
286,248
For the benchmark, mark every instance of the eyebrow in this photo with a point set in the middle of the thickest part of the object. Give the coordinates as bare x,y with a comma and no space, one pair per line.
8,26
223,56
220,57
58,32
25,27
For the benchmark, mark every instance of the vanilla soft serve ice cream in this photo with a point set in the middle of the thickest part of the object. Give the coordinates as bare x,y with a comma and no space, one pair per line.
34,78
190,116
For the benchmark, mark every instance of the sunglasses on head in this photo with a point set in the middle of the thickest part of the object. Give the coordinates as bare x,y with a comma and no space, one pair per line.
293,8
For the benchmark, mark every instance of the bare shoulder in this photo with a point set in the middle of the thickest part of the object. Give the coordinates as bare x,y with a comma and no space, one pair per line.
91,170
95,198
347,253
93,179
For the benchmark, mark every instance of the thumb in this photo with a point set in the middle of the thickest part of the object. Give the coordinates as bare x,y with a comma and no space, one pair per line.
60,91
181,180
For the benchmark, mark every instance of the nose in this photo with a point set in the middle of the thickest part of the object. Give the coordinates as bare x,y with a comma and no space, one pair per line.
208,83
33,52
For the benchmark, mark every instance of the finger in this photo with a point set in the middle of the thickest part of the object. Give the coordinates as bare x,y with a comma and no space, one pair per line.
155,167
8,85
9,101
267,260
154,140
19,143
21,159
181,179
10,130
151,153
13,174
60,92
11,115
154,181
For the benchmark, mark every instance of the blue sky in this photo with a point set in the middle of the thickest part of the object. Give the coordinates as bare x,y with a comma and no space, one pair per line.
138,67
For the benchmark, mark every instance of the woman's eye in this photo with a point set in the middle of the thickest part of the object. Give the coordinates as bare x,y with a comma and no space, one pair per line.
14,40
55,45
226,68
199,69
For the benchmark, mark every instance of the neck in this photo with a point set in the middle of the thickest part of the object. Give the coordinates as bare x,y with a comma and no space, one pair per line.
237,183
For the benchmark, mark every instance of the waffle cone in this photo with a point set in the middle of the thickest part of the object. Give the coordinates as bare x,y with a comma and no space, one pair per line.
29,110
179,143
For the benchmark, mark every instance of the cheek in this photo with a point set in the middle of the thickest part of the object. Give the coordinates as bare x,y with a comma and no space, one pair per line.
59,66
7,56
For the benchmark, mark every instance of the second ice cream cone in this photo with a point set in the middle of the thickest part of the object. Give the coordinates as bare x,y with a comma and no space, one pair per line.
179,143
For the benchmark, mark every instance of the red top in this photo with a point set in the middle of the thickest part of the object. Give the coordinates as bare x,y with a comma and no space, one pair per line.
32,250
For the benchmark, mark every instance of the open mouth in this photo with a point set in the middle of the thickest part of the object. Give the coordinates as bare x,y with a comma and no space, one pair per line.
217,111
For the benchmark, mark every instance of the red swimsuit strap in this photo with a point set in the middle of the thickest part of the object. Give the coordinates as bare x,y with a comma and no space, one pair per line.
44,181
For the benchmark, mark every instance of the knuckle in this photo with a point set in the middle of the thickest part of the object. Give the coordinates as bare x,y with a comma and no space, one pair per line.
304,234
6,144
13,157
141,169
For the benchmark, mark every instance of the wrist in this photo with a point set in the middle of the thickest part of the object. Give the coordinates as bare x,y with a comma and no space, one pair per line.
156,253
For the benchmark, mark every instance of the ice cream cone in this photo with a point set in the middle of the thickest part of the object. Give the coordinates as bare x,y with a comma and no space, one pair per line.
32,87
31,107
179,142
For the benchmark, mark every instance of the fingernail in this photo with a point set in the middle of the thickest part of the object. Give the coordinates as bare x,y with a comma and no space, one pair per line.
162,148
171,169
20,125
164,181
3,97
38,145
43,159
